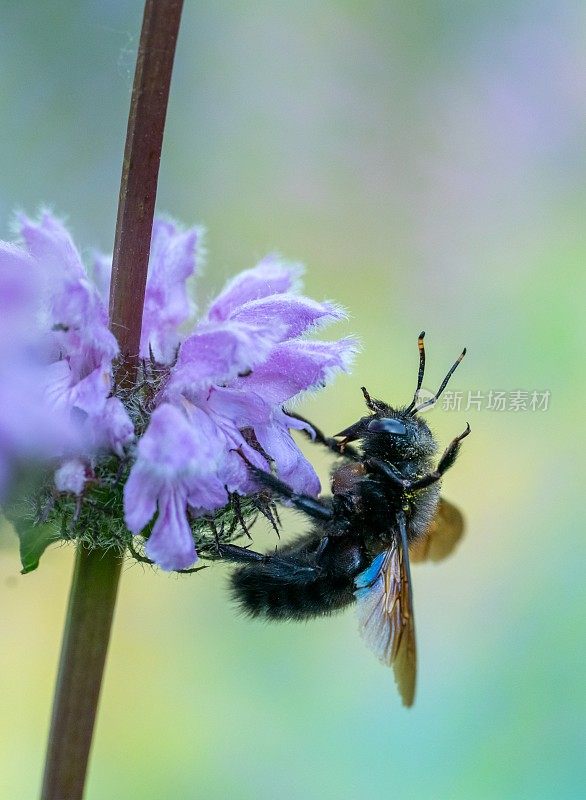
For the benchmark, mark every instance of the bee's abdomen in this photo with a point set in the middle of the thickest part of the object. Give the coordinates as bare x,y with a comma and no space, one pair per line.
304,579
261,592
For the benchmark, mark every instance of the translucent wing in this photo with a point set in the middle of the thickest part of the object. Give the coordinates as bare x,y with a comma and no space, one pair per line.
385,612
442,535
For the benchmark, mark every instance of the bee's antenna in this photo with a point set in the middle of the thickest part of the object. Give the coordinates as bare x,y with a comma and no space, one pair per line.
421,347
374,405
444,383
368,399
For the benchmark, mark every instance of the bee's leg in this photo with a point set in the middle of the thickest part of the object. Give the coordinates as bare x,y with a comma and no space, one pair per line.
302,502
445,463
387,471
327,441
240,555
235,502
269,512
231,552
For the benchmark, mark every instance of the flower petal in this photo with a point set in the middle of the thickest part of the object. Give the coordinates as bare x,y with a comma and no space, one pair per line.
295,314
80,324
30,429
171,543
219,353
235,472
48,240
77,314
292,466
298,365
167,302
90,393
112,427
170,444
298,424
140,496
270,276
102,275
175,456
245,409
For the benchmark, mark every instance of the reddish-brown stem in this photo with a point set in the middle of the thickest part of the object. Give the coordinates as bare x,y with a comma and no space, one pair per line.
96,574
140,171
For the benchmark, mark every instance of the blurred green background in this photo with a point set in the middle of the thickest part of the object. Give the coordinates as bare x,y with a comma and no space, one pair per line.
425,160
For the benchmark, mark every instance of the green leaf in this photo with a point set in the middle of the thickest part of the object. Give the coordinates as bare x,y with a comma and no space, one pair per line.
34,540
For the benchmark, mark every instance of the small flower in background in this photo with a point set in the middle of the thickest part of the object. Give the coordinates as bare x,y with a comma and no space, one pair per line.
29,428
203,403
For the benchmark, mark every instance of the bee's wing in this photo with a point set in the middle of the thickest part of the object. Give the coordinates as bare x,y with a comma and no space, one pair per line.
442,535
385,612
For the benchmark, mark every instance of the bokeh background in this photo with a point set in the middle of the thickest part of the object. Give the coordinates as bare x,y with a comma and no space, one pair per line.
425,160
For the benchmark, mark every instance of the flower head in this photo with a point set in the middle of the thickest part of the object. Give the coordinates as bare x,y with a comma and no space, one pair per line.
245,358
207,404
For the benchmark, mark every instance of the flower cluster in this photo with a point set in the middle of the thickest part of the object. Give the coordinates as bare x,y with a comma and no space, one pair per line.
220,394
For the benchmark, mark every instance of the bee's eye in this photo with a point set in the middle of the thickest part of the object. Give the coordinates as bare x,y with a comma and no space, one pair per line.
387,425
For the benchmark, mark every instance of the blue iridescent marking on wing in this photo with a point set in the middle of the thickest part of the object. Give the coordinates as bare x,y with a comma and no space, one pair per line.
364,582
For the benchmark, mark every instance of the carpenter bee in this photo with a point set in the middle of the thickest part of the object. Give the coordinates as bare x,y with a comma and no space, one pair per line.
385,510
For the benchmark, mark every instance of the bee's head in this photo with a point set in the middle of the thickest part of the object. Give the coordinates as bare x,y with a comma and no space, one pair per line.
398,432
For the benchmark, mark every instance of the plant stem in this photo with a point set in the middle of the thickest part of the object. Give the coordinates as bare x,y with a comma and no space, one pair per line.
140,171
97,572
83,655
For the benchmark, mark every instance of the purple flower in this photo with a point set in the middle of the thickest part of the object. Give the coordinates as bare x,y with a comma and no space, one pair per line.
219,387
29,429
167,306
54,331
174,469
78,344
167,303
244,360
55,354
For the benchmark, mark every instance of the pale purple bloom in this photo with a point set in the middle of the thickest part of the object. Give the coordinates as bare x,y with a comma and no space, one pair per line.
29,429
114,429
167,303
76,315
54,330
292,467
293,315
167,306
243,361
79,344
219,386
175,464
55,355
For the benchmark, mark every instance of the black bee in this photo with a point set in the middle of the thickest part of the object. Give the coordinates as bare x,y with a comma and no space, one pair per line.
384,511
